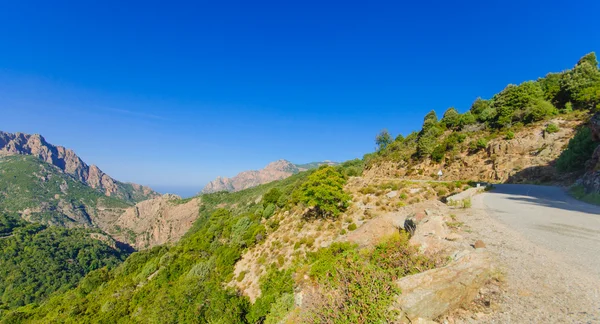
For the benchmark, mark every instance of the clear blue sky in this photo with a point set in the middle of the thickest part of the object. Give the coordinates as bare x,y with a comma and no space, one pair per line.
175,93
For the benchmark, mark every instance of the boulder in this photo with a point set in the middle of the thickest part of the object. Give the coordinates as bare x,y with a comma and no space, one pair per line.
392,194
479,244
435,292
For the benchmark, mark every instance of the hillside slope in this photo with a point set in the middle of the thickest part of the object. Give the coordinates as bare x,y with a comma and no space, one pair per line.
332,244
69,162
36,261
41,192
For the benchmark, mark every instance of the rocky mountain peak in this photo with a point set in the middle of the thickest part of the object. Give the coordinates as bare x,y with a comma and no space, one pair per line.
276,170
66,160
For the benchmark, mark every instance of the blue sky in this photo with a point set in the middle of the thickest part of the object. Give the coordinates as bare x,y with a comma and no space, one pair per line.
172,94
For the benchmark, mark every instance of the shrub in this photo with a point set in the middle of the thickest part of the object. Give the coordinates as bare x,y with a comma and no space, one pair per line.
268,212
579,150
568,108
438,153
271,197
352,227
323,192
478,145
552,128
467,119
467,203
539,110
510,135
357,286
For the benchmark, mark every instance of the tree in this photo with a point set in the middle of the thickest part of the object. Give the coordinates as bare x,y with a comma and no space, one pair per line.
466,119
513,99
271,197
383,139
430,120
427,142
539,110
581,85
479,105
550,85
323,192
451,118
589,58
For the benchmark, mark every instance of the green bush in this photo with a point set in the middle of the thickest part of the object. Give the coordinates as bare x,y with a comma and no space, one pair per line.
510,135
539,110
552,128
352,227
269,210
357,286
482,143
271,197
323,193
451,118
438,153
579,150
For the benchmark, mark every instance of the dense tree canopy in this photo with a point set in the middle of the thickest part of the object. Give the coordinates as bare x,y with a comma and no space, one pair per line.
36,261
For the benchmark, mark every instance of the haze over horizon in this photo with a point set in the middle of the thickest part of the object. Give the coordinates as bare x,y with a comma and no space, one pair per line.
173,96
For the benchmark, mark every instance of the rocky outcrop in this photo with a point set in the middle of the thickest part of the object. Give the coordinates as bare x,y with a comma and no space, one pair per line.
435,292
69,162
277,170
528,157
155,221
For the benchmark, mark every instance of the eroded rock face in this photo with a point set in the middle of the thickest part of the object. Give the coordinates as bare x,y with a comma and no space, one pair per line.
160,220
70,163
277,170
433,293
528,156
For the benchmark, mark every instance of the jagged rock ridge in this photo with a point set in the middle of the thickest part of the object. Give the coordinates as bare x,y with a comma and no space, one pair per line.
66,160
277,170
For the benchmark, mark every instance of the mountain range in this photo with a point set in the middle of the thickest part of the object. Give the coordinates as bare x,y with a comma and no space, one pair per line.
276,170
67,161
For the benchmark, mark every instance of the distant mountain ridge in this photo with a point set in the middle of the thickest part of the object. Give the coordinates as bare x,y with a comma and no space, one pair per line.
277,170
66,160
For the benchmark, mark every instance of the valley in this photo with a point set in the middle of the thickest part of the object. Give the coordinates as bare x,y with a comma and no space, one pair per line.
383,238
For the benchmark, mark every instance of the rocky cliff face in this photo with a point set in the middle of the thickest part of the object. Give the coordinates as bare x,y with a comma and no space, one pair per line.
273,171
69,162
155,221
528,157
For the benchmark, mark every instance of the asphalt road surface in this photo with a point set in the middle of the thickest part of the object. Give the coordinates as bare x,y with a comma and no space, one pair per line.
547,216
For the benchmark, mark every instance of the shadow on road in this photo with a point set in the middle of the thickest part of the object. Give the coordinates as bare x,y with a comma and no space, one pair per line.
553,197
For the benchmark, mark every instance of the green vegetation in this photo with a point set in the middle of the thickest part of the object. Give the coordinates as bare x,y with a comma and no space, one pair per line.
323,193
183,282
579,150
552,128
511,108
36,261
578,191
357,285
28,183
383,139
